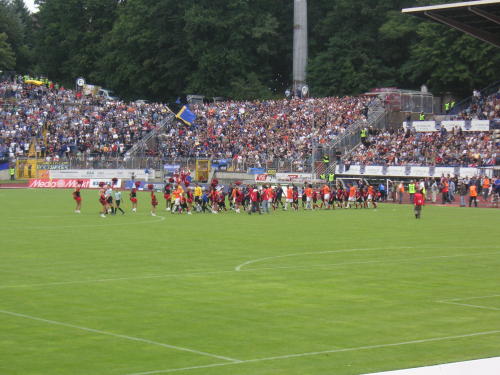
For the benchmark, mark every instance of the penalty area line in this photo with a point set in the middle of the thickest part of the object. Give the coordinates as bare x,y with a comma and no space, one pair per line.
298,355
469,305
126,337
240,267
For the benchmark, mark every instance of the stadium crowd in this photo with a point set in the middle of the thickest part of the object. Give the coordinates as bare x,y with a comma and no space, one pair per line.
481,108
407,147
68,123
73,124
263,131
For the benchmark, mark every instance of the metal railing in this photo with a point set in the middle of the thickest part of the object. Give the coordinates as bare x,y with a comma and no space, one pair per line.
142,145
352,137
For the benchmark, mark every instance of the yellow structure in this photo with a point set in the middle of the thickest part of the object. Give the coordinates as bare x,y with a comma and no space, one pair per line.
202,170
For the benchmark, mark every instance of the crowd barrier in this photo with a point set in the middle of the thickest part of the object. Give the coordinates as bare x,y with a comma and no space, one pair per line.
449,125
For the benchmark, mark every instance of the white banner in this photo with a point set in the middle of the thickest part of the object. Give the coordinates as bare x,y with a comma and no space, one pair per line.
420,171
101,173
396,171
353,169
293,177
421,126
440,171
433,126
411,171
94,184
479,125
450,125
471,172
265,178
373,170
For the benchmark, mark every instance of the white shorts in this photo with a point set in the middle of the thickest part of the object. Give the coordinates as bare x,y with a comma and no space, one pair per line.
289,200
309,199
326,197
370,197
177,201
352,199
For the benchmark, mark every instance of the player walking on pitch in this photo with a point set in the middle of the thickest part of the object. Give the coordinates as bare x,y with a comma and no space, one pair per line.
418,201
118,199
77,197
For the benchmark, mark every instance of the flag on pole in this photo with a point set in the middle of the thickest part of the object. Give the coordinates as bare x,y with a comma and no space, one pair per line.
186,116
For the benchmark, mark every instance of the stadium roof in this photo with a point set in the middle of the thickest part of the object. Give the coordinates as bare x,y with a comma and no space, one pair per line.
480,19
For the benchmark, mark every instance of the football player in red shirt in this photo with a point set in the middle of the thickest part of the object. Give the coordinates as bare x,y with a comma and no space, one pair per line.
103,202
78,197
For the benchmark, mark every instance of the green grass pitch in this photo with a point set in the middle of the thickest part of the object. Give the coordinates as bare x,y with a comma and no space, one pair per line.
291,293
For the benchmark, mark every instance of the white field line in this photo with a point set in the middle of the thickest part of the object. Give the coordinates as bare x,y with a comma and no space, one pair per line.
468,298
299,355
126,337
453,301
91,281
468,305
408,260
240,266
188,274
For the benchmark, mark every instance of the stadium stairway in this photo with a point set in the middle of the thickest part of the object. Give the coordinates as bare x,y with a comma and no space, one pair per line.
149,139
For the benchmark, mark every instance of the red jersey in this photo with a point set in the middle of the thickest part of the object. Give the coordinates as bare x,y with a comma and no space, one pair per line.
239,196
418,199
254,195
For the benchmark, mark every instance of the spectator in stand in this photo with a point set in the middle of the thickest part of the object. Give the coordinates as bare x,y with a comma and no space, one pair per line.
400,147
71,124
67,123
481,108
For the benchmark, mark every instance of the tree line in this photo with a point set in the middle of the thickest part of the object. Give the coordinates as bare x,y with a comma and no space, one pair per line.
239,49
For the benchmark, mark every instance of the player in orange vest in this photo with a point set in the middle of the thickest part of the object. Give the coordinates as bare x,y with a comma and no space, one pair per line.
309,196
325,193
371,197
352,196
486,188
289,196
473,195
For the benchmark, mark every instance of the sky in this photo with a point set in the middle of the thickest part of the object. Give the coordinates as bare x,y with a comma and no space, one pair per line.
31,5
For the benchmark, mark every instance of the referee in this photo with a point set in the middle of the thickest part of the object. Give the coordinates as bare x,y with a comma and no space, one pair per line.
118,198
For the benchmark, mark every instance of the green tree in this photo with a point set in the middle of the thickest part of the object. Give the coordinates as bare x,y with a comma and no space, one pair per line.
145,54
239,46
449,61
69,36
11,24
7,57
230,48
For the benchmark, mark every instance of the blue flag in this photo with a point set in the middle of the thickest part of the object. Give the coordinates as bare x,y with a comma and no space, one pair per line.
186,115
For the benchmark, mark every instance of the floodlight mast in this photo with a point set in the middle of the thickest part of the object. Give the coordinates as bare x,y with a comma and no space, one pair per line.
299,44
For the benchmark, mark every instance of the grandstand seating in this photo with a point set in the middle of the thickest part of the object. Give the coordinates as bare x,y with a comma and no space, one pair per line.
249,133
70,124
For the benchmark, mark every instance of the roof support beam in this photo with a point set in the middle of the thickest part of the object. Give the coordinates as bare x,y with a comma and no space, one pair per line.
472,31
481,13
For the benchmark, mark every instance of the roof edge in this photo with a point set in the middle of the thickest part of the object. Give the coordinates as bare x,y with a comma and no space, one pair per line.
449,6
